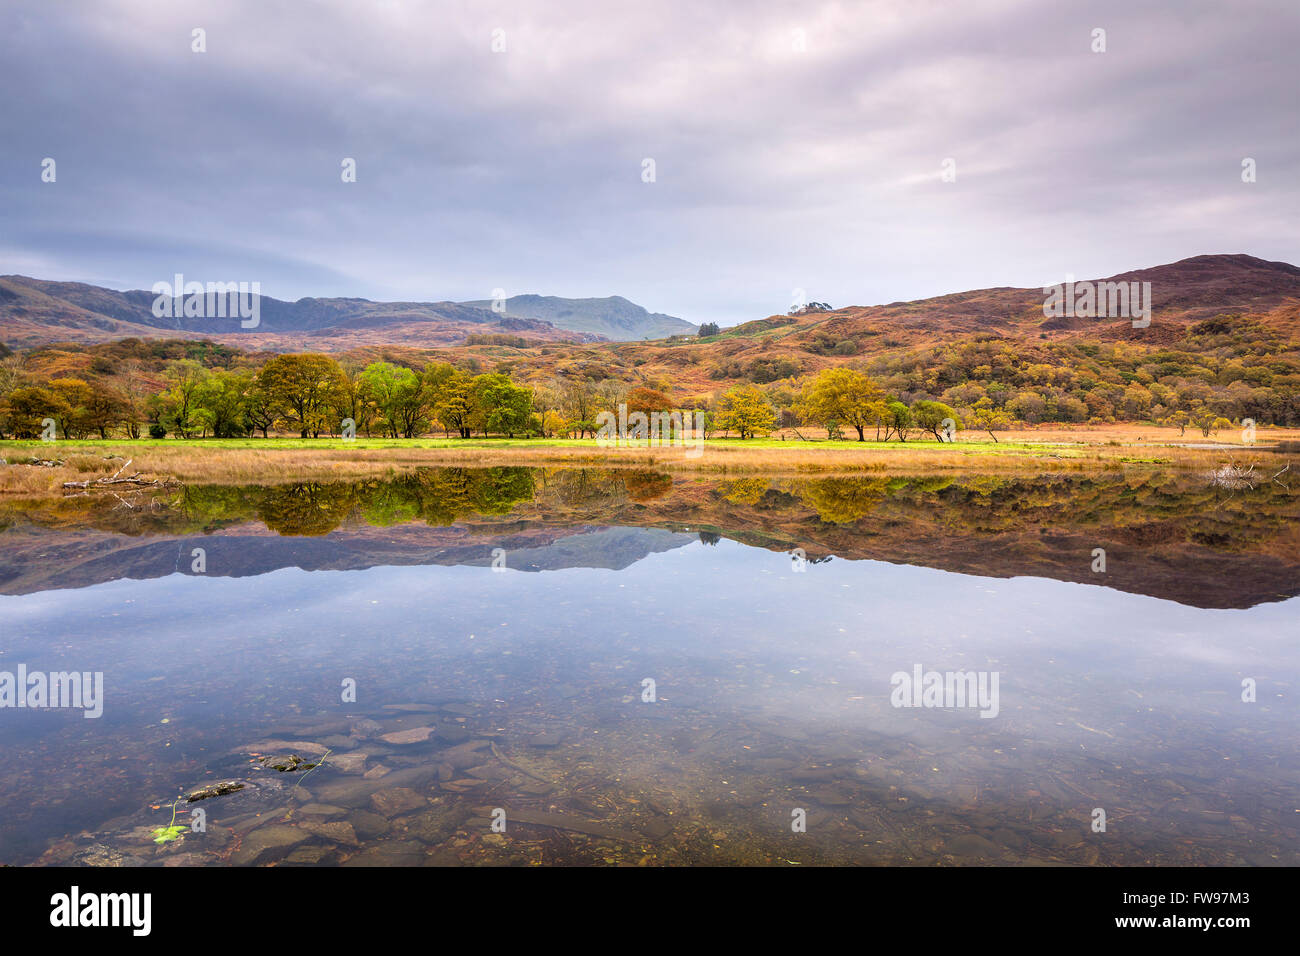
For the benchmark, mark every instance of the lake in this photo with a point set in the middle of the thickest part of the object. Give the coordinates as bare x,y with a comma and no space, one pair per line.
519,666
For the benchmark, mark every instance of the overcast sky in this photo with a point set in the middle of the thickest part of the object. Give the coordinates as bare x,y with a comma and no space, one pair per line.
796,145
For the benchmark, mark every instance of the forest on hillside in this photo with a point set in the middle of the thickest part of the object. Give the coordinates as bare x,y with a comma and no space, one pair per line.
1222,372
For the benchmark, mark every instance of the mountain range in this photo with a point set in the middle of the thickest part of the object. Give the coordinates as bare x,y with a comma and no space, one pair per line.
36,312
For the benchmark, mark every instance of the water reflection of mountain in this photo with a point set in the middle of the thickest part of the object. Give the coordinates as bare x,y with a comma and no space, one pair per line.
94,558
1165,535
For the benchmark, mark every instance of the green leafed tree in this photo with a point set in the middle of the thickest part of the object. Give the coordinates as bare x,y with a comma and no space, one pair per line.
500,406
932,417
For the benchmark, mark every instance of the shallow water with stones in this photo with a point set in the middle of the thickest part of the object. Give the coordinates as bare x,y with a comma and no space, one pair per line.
519,693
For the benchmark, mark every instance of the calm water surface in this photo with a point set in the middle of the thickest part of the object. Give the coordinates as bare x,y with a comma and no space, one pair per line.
523,688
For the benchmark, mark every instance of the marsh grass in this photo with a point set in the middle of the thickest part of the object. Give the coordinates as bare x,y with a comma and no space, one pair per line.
281,460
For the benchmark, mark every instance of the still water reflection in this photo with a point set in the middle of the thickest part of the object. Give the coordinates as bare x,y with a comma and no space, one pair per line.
524,688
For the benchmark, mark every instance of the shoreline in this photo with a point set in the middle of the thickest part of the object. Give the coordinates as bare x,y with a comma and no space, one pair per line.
284,460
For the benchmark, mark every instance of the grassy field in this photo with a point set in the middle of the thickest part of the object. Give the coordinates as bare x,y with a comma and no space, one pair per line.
276,460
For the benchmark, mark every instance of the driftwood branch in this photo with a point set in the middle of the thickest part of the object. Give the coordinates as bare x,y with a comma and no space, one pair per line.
129,480
117,478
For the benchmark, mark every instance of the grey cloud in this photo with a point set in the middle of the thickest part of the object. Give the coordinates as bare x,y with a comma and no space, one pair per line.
776,169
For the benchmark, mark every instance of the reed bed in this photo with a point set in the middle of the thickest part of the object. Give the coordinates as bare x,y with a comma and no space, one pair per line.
276,461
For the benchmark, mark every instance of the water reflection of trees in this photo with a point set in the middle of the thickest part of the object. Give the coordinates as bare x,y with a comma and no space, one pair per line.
583,487
437,496
309,508
1143,506
643,486
842,500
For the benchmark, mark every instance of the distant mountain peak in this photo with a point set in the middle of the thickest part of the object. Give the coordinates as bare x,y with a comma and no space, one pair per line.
612,317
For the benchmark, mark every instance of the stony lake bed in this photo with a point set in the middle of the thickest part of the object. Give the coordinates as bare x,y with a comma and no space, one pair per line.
451,669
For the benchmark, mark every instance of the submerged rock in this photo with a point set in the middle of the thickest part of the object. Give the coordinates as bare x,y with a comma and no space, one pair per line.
268,843
464,755
354,762
308,855
971,844
552,739
215,790
397,800
369,825
415,735
101,855
462,709
438,823
830,797
290,746
657,828
338,831
289,764
389,853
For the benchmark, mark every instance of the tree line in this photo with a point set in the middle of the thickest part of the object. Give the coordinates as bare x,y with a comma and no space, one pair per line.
313,395
305,394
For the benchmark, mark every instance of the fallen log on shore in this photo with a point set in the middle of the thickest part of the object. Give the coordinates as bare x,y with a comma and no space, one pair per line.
119,479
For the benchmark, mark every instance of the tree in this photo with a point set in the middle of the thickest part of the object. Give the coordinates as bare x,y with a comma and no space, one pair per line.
500,405
27,406
10,378
745,409
354,401
932,417
306,387
647,400
579,402
451,396
71,414
899,420
989,418
104,408
222,400
134,394
175,405
546,406
1205,419
553,423
841,396
260,408
708,328
1179,419
398,396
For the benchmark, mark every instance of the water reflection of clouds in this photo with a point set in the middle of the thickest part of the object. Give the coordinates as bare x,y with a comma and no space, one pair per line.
851,622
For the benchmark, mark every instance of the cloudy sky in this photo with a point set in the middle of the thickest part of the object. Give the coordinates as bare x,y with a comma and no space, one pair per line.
795,145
